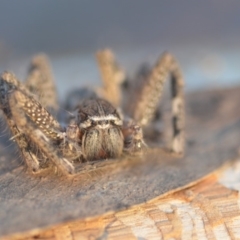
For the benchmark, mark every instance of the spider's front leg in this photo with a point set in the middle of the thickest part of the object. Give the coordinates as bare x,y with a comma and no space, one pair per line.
41,128
34,123
147,101
8,84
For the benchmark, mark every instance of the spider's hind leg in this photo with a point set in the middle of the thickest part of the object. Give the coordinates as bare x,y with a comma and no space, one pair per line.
112,76
147,100
40,82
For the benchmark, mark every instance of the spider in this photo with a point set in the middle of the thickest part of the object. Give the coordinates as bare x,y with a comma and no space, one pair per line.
98,130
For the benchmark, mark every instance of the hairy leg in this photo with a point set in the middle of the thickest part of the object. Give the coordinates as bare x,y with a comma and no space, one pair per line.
9,83
41,83
43,132
112,76
147,101
33,128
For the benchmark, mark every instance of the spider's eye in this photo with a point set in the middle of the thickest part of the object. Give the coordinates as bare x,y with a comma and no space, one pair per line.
116,122
103,123
112,122
87,124
93,123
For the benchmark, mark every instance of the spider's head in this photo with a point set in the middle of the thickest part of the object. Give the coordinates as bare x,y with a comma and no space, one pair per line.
100,124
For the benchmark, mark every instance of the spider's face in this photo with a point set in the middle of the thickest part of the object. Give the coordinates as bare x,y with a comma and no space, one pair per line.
100,125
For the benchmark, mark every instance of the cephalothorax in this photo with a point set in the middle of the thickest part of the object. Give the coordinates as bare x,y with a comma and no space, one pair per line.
97,129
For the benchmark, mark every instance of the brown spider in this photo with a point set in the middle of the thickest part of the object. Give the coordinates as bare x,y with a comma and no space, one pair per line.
98,130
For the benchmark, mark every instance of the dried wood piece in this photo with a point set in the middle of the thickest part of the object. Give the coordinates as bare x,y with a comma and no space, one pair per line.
207,210
30,203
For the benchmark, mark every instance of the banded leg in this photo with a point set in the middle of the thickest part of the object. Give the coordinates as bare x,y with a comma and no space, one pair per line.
112,76
151,91
35,131
41,83
40,127
8,84
41,119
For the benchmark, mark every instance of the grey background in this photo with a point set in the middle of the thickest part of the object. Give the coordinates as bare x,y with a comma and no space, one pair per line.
204,35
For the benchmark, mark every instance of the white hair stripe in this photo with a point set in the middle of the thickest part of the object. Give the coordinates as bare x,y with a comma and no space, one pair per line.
102,118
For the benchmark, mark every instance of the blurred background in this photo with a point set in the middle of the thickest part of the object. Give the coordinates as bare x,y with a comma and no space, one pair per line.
203,35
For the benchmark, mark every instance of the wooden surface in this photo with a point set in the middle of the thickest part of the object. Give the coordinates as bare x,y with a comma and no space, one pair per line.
208,210
31,203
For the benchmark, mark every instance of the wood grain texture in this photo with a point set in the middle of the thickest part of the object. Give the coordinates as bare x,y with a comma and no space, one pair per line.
207,210
31,203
